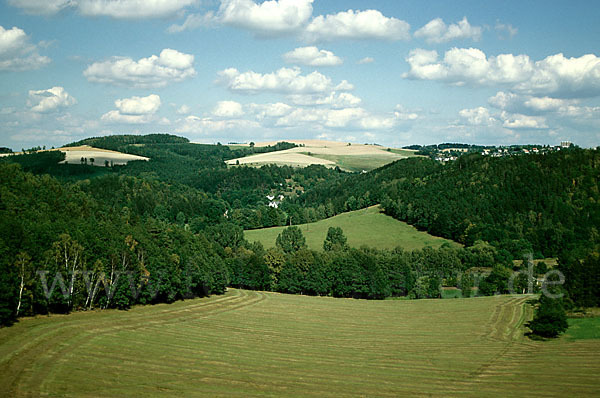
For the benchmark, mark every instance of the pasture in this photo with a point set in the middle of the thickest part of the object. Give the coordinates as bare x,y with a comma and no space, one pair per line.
367,227
248,343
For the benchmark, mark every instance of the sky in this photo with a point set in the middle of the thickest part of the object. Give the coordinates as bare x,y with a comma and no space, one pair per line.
390,72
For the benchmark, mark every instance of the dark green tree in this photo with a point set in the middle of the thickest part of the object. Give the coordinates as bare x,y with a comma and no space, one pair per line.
335,240
291,240
550,318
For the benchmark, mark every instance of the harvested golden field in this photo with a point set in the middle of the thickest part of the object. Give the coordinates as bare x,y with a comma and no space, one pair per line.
247,343
351,157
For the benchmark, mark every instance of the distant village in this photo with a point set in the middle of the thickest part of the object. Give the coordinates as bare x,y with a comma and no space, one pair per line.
449,152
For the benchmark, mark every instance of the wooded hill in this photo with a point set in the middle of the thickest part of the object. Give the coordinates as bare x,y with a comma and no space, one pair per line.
173,225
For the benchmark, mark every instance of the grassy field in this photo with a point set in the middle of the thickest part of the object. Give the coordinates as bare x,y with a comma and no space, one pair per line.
266,344
356,163
362,227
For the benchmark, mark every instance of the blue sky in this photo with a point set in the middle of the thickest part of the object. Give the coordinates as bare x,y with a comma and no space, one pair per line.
388,72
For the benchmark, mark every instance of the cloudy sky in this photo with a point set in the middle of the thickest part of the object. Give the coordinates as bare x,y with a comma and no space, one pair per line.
391,72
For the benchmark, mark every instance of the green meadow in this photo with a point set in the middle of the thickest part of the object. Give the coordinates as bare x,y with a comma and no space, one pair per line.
247,343
367,227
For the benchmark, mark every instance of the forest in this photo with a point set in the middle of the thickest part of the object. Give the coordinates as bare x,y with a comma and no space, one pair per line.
77,237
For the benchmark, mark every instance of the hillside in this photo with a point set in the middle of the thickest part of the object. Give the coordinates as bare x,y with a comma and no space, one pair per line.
255,343
367,227
348,156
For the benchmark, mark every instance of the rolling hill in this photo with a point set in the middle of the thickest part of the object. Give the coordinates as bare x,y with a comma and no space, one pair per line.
367,227
347,156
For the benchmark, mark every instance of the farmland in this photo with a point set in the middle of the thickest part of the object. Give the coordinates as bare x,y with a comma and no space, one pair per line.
347,156
362,227
257,343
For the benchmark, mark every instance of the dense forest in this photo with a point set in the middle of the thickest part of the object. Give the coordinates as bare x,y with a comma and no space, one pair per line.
81,237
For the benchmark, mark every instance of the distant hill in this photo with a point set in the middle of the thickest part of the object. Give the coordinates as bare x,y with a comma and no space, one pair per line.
347,156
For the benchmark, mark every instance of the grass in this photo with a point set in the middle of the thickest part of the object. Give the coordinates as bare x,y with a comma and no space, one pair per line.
367,227
583,328
266,344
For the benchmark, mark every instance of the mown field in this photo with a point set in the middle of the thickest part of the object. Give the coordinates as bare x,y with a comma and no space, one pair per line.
362,227
267,344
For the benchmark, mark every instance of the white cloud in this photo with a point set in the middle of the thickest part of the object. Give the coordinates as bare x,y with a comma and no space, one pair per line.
194,21
138,105
436,31
312,56
266,111
228,109
366,60
529,105
401,113
369,24
555,76
285,80
345,118
52,99
333,99
545,104
17,53
199,125
272,17
41,7
564,77
130,9
134,110
518,121
506,30
154,71
479,116
183,110
468,66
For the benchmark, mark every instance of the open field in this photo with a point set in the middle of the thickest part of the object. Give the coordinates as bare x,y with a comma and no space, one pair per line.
354,157
362,227
74,154
255,344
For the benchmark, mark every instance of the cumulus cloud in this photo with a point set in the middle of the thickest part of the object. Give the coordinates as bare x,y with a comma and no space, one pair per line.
17,53
518,121
564,77
530,105
312,56
122,9
267,18
155,71
333,99
134,110
228,109
285,80
369,24
203,125
267,111
555,76
479,116
468,66
50,100
346,118
436,31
